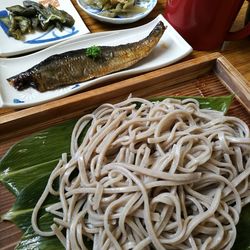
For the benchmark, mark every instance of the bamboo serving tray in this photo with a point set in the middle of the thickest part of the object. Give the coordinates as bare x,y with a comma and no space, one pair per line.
210,75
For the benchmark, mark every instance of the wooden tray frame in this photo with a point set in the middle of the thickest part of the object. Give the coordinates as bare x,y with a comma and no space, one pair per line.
26,121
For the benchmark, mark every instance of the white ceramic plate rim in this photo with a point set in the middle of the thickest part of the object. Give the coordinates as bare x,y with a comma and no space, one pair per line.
161,56
11,47
119,20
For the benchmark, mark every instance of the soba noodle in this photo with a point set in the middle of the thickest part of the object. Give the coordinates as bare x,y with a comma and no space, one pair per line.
151,175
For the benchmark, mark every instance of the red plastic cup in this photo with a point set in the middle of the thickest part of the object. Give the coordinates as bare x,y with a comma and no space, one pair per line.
205,24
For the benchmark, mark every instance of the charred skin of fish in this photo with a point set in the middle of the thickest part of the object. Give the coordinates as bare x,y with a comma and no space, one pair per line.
76,66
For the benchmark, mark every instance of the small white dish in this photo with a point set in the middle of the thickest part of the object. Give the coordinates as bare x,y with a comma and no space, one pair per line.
38,40
148,5
171,48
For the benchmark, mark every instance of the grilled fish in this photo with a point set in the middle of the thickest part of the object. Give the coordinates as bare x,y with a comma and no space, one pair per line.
77,66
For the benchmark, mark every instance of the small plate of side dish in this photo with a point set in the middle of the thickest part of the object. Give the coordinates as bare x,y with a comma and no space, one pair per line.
117,12
170,48
27,26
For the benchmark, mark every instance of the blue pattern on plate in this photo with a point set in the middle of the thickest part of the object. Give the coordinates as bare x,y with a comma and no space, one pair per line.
54,37
15,100
76,86
4,13
51,34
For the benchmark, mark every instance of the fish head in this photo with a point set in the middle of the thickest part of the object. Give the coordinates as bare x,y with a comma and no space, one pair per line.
22,81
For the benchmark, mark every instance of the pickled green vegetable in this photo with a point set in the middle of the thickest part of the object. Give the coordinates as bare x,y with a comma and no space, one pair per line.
34,16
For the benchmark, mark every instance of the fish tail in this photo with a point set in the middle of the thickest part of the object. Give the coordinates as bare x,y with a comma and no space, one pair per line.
22,81
156,33
158,30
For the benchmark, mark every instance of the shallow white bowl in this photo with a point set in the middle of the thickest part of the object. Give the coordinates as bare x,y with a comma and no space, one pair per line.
96,13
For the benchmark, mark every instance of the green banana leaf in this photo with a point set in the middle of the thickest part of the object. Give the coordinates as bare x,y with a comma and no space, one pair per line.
34,157
30,240
25,169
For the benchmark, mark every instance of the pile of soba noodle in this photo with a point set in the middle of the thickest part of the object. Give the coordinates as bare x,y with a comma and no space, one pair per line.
151,175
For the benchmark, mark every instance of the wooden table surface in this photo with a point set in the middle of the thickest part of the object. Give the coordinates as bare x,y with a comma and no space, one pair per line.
237,52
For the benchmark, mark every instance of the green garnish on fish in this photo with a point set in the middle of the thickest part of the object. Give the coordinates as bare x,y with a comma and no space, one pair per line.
93,51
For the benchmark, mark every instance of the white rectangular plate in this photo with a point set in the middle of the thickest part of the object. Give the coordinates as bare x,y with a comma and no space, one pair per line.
38,40
171,48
